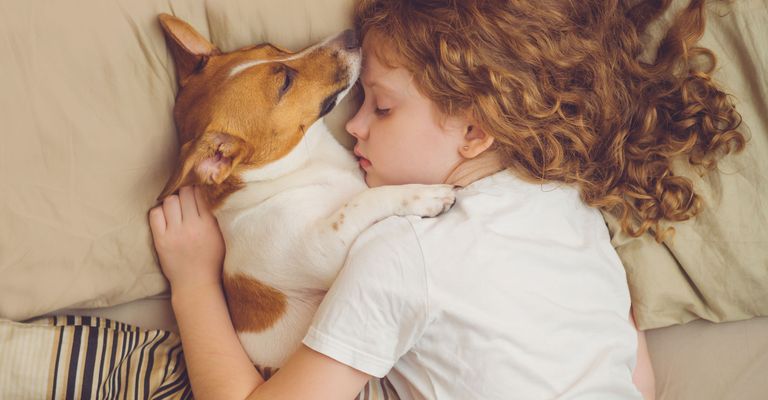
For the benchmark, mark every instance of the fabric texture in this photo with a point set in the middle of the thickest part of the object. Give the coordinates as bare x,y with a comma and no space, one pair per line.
83,357
702,360
71,357
515,292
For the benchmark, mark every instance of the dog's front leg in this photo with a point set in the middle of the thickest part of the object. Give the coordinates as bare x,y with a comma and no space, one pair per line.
376,204
331,237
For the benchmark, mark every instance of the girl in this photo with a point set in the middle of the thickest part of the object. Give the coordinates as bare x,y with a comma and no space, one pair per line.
538,109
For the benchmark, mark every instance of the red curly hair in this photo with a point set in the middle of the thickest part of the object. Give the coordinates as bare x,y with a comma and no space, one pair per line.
561,86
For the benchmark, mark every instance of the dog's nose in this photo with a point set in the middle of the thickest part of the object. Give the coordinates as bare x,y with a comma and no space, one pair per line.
348,40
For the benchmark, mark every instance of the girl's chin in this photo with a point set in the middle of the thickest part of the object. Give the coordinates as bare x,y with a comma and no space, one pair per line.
368,179
371,180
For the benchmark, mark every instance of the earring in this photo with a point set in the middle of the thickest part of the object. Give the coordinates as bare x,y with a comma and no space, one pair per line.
465,148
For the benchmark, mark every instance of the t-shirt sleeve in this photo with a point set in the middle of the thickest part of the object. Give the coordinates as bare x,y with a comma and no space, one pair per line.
376,308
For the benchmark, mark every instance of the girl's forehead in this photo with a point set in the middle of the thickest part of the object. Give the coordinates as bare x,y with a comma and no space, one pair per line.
374,68
375,74
383,72
381,49
372,64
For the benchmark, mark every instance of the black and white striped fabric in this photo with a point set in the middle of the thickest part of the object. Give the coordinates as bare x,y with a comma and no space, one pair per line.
73,357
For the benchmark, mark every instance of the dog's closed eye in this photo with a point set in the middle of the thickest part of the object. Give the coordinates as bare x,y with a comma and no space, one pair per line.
288,79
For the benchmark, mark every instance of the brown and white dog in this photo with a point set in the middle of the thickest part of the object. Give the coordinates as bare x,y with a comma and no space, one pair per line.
290,200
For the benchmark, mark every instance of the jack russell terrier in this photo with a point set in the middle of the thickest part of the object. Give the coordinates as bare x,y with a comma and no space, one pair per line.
289,199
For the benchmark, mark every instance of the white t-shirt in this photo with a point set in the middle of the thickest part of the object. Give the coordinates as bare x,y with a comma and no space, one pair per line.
515,293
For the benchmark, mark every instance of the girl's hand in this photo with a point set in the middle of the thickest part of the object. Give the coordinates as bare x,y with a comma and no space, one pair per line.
188,241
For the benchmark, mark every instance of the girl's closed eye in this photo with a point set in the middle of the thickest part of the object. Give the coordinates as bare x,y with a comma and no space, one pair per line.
382,104
381,111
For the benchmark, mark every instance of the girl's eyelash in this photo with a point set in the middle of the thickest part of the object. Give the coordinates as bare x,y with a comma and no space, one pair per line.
360,92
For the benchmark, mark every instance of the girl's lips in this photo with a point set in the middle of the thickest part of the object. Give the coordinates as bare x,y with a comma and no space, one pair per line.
362,161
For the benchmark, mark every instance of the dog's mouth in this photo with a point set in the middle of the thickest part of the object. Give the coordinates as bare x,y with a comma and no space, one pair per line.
329,103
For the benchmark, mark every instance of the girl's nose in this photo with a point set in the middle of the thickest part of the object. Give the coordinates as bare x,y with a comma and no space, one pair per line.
357,125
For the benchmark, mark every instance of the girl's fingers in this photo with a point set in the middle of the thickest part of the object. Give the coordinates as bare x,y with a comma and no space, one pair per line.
172,211
202,204
188,202
157,220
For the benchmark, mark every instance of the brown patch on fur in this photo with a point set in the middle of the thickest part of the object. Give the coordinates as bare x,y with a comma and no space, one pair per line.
253,306
338,223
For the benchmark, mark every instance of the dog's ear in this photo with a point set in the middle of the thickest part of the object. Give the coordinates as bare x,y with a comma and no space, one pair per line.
190,50
207,160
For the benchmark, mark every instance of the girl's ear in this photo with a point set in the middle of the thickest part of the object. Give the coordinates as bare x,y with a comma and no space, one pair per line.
476,141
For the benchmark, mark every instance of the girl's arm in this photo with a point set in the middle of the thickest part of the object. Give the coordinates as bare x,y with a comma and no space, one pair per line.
191,251
643,376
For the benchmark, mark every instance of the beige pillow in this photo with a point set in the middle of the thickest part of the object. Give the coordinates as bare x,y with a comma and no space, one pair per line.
716,266
88,136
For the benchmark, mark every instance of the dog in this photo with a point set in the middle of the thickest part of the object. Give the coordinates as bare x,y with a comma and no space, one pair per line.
290,200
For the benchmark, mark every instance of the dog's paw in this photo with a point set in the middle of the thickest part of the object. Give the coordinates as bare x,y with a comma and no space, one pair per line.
425,200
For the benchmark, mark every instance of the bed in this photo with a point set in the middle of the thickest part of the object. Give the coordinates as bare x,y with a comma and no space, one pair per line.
87,92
